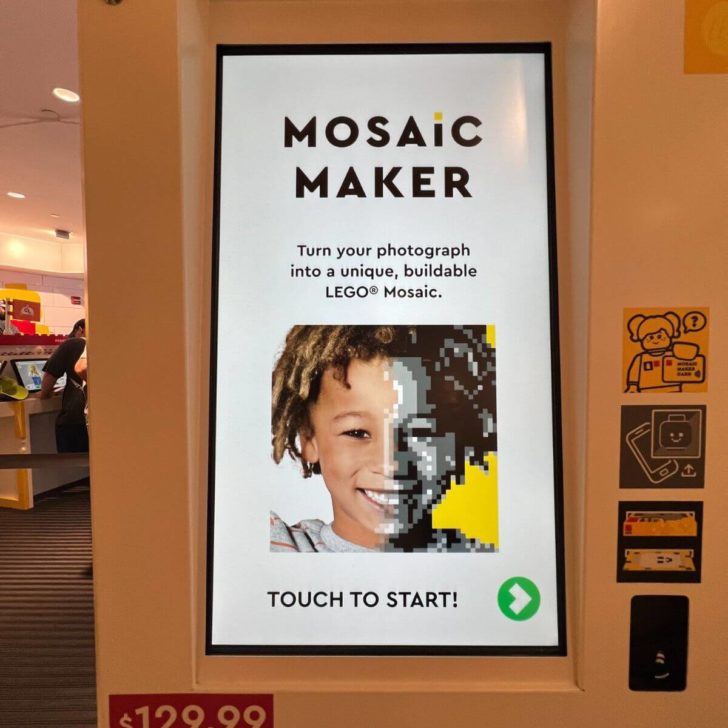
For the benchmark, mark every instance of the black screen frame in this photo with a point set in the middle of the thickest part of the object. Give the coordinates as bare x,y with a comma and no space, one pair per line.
558,650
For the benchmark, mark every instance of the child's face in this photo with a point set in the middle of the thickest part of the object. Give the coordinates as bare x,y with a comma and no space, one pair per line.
377,447
352,444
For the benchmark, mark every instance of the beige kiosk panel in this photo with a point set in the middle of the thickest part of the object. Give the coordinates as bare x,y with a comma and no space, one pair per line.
655,182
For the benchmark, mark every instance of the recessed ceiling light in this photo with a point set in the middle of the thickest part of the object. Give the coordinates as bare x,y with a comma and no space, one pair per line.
64,94
16,195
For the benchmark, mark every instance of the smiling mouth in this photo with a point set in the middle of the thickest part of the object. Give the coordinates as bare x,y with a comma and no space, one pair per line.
381,498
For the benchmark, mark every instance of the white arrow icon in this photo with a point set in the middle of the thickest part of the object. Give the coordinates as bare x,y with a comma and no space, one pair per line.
521,598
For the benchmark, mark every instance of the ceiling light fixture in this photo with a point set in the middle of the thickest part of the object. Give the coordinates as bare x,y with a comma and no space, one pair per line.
53,214
16,195
70,97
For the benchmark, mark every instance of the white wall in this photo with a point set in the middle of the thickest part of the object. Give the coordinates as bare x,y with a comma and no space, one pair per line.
51,256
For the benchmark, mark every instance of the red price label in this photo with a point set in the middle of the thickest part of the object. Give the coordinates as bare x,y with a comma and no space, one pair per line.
191,710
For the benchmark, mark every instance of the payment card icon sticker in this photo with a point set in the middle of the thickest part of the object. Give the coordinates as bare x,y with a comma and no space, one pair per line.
659,541
665,350
662,446
658,560
519,598
660,523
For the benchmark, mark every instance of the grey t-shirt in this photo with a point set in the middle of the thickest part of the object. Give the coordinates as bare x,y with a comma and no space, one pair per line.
311,535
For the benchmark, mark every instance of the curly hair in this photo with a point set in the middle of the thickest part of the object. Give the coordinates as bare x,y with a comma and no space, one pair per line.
309,351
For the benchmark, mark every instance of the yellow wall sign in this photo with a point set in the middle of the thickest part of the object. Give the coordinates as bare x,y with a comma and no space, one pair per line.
665,350
706,36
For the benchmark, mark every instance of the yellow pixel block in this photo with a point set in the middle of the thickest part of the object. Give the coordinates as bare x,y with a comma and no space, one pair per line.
473,506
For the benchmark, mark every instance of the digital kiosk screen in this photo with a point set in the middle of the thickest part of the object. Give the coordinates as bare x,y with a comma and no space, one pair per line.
384,462
29,373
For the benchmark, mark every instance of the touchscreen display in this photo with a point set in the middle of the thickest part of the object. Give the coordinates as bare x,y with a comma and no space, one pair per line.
29,373
385,460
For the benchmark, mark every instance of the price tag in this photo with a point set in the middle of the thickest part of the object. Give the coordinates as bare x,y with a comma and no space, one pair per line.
191,710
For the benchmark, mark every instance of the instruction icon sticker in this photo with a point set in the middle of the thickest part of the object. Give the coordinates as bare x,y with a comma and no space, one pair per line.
665,350
662,446
659,541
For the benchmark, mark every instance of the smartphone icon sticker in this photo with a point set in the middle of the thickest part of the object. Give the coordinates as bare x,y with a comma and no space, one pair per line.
657,470
662,446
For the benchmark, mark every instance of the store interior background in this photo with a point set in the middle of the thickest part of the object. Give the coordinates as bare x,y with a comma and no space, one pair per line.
40,157
47,643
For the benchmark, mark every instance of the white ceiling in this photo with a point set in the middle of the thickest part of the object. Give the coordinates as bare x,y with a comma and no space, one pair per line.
38,52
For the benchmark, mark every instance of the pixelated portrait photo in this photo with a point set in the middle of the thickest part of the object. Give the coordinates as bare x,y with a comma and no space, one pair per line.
398,425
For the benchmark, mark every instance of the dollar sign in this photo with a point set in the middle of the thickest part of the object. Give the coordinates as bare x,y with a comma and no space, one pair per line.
125,721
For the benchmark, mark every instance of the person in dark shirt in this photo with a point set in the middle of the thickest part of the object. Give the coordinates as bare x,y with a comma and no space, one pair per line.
69,359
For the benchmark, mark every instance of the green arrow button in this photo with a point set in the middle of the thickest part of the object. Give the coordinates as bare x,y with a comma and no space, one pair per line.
519,598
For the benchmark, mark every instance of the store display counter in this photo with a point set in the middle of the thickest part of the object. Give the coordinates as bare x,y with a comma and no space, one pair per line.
26,428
